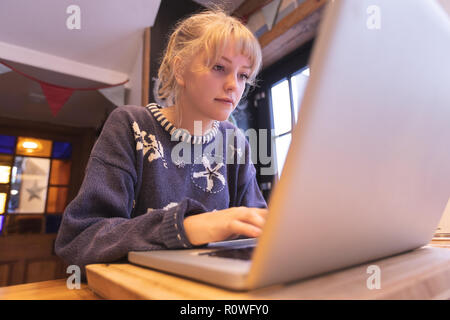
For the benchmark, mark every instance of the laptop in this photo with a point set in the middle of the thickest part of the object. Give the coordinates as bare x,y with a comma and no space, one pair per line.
367,174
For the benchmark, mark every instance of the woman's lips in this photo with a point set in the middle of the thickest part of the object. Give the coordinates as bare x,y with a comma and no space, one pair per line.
229,101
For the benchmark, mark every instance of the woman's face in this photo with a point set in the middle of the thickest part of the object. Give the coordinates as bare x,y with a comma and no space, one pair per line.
212,94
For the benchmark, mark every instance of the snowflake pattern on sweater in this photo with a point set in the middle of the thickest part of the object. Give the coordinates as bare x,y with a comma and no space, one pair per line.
148,144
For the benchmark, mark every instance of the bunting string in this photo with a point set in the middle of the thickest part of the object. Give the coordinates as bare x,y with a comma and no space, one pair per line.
57,95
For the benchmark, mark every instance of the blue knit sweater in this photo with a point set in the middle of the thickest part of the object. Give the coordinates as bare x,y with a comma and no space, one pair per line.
144,176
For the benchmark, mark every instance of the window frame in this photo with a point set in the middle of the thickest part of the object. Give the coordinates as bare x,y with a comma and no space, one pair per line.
284,69
288,78
81,138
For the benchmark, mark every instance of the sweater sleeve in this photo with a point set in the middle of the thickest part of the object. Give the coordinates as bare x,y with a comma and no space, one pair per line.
98,225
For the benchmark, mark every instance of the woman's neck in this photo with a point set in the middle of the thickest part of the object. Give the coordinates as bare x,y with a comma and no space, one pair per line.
189,122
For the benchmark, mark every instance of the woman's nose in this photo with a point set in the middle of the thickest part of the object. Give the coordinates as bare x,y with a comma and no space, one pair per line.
231,82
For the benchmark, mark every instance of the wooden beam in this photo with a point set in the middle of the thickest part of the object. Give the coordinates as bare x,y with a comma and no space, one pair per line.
146,68
301,12
292,39
247,8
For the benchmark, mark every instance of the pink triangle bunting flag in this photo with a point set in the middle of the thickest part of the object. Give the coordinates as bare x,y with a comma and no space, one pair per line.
56,96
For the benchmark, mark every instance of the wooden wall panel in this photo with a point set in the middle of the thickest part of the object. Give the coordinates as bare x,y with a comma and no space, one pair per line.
5,273
29,258
41,270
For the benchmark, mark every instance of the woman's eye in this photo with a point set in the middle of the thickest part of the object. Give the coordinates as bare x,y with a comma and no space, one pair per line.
244,76
218,68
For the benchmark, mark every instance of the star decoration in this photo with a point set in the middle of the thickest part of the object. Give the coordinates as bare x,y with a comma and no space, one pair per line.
34,191
210,173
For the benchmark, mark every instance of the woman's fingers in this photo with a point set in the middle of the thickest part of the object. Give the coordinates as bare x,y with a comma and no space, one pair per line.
243,228
248,221
223,224
254,218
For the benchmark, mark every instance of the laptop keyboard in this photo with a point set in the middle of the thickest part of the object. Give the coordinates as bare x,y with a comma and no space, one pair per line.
244,253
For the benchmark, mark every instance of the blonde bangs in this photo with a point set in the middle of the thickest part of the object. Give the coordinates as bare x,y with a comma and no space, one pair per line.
215,39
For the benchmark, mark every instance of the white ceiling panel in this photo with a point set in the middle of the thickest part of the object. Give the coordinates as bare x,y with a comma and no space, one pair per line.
109,37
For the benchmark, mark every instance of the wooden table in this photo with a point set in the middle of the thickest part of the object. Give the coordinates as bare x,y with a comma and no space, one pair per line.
421,274
47,290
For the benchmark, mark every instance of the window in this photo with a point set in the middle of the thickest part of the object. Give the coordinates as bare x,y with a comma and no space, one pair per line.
286,96
34,184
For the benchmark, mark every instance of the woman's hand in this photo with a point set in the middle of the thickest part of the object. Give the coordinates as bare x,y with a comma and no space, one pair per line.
224,224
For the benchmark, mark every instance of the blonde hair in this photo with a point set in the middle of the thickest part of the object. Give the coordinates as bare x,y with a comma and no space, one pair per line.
206,32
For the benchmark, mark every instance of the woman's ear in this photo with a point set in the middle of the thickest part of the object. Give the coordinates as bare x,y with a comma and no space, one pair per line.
178,71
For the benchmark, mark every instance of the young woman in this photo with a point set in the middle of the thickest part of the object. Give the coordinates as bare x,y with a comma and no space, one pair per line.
161,178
